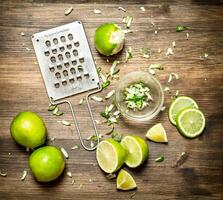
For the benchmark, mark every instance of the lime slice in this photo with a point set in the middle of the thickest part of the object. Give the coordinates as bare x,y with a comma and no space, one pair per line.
125,181
157,133
137,150
190,122
179,104
110,155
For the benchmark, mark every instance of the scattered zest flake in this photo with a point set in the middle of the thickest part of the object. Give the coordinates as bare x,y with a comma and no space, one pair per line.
145,52
75,147
128,21
72,182
114,70
64,152
68,11
166,89
205,55
174,44
159,159
159,50
187,35
171,77
24,174
110,176
97,11
22,34
3,174
155,32
96,98
169,51
117,137
65,123
110,94
177,93
163,108
152,68
81,101
128,54
180,28
142,9
127,31
69,174
51,107
122,9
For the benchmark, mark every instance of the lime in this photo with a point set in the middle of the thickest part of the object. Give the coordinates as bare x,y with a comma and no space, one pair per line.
109,39
125,181
137,150
157,133
28,129
179,104
190,122
110,155
46,163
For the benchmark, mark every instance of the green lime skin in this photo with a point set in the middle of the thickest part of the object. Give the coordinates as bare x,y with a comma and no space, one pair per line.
28,129
46,163
102,38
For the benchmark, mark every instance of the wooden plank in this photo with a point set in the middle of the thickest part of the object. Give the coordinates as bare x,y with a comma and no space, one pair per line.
22,88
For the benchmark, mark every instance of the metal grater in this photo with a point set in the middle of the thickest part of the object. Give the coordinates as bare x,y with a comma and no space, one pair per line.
67,66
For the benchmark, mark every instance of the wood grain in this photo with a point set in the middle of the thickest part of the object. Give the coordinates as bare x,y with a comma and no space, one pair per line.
22,88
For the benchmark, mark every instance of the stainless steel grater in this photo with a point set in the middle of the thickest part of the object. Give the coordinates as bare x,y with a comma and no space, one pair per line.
67,66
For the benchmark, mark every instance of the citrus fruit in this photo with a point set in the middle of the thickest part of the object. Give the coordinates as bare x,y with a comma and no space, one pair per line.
110,155
179,104
157,133
137,150
28,129
190,122
46,163
125,181
109,39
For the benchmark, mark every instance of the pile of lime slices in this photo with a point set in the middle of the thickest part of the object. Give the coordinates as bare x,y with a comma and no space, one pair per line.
111,155
184,113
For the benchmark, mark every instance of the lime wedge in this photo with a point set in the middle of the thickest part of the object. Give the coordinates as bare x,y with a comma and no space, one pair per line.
125,181
157,133
190,122
179,104
110,155
137,150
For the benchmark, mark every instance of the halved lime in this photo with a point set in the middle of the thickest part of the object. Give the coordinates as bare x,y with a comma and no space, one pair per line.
109,39
137,150
110,155
125,181
190,122
157,133
179,104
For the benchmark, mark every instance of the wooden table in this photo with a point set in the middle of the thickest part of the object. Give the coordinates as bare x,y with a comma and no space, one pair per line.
22,88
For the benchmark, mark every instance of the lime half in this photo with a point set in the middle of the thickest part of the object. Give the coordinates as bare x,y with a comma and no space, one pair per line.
190,122
137,150
179,104
125,181
157,133
110,155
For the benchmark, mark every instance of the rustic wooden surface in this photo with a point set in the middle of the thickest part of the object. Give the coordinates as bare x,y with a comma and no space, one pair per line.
22,88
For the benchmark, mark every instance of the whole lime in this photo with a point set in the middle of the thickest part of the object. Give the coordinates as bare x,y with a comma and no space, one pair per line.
28,129
46,163
109,39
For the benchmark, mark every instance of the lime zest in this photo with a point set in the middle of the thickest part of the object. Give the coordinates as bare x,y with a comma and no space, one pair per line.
159,159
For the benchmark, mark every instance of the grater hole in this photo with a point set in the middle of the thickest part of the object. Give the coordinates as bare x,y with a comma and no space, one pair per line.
70,36
64,82
47,53
87,76
76,44
79,78
54,51
74,62
67,54
53,59
55,40
58,75
69,46
59,67
48,43
57,85
71,80
72,70
81,60
60,57
63,39
93,79
65,73
52,69
62,49
80,68
75,52
66,64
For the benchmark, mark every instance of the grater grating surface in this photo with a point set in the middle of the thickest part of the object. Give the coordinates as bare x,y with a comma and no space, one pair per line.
65,60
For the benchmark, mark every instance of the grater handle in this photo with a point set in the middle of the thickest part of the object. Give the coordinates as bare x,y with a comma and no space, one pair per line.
75,119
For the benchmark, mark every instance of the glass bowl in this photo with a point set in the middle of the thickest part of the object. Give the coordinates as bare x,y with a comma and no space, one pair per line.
156,92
